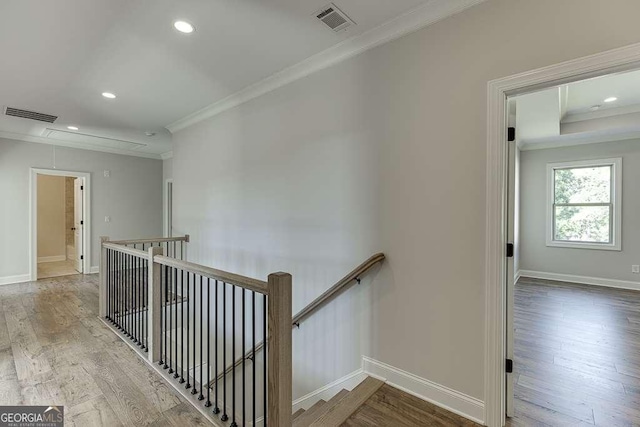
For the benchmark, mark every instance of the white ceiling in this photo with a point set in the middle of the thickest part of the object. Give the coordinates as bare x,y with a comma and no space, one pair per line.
565,115
59,56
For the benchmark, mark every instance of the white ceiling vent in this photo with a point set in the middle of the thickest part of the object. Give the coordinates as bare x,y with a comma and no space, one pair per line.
334,18
32,115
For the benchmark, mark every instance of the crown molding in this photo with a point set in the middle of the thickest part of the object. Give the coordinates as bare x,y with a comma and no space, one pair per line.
599,114
427,14
167,155
79,146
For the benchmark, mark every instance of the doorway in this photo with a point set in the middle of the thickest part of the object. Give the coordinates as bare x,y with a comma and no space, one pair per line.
60,224
496,362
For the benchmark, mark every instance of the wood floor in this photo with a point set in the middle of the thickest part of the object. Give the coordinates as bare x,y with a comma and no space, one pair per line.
577,355
55,351
390,407
47,270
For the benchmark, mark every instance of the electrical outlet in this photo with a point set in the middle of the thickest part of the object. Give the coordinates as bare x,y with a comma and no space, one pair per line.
107,174
635,269
107,219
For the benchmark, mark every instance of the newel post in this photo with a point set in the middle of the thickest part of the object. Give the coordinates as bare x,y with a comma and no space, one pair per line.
279,350
154,284
103,274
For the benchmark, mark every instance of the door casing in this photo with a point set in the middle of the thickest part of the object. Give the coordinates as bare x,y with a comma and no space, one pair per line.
33,216
609,62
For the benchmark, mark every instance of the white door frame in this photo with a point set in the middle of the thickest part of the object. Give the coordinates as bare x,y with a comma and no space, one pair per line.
166,229
33,215
609,62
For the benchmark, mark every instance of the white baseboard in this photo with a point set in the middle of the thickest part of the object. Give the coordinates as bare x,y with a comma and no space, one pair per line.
94,270
56,258
444,397
598,281
348,382
518,276
10,280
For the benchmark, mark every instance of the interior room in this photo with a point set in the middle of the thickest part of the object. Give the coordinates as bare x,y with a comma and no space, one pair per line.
56,227
575,302
298,213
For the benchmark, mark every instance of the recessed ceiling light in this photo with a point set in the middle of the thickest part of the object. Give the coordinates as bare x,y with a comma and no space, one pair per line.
108,95
611,99
150,133
184,27
72,127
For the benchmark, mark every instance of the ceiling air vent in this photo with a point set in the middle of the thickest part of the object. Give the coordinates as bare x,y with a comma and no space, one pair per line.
334,18
32,115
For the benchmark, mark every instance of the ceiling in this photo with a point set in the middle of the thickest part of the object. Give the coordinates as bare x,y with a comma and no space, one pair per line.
59,56
577,113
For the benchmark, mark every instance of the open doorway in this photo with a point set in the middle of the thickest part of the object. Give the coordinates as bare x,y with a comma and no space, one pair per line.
59,223
573,277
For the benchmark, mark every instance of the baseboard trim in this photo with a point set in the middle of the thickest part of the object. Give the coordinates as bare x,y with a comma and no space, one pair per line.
584,280
94,270
518,276
10,280
444,397
348,382
56,258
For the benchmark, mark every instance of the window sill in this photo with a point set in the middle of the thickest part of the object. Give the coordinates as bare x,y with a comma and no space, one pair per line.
590,246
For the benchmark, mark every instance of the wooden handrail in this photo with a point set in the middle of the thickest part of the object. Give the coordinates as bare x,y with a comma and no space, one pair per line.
125,249
152,240
331,293
224,276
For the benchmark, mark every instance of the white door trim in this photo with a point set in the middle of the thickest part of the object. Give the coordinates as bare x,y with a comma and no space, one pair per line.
613,61
165,206
33,216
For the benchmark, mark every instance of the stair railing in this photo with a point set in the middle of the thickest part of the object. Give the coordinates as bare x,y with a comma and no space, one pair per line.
187,320
353,277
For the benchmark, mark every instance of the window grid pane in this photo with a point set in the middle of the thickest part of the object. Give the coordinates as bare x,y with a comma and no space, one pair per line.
585,224
583,185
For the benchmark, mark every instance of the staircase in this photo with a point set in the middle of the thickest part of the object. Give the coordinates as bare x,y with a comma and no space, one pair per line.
222,340
339,408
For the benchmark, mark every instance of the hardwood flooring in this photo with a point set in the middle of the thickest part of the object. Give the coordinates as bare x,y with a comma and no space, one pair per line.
577,355
390,407
55,351
48,270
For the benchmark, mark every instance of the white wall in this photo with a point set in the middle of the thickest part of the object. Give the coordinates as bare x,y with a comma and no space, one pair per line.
132,196
383,152
51,217
536,256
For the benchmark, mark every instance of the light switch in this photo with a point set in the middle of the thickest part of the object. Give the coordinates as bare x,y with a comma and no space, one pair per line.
107,219
107,174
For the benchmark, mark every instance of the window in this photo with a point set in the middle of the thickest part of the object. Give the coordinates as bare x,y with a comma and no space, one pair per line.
584,204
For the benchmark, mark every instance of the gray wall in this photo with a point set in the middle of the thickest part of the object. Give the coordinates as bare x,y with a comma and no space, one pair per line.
383,152
132,196
536,256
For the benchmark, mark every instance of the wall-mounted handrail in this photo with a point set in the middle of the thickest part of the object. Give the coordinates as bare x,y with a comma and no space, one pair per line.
224,276
327,296
152,240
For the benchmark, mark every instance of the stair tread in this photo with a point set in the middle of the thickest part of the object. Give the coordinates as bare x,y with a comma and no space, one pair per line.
310,414
297,414
325,408
339,412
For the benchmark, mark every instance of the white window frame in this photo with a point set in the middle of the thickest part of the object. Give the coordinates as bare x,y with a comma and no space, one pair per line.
616,204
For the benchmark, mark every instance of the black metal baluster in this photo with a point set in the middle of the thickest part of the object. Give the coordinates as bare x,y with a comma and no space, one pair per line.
126,295
182,324
244,411
116,302
201,397
131,300
233,355
264,357
224,352
163,340
253,356
216,409
175,315
136,275
208,403
188,386
174,273
163,301
195,309
174,249
145,296
108,285
140,300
